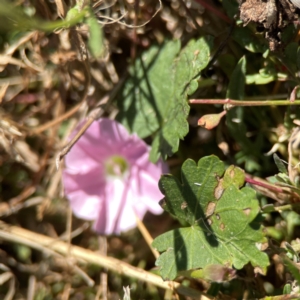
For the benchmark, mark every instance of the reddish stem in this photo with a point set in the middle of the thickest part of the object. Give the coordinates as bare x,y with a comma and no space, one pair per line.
263,184
244,102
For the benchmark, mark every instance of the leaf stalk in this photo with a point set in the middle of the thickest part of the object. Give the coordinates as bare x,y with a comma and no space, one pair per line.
233,102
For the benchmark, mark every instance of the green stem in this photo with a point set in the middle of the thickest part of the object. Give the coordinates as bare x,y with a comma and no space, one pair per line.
270,208
13,18
244,102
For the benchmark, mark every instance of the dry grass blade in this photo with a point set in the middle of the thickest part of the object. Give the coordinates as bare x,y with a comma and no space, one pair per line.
61,8
3,89
44,243
11,291
13,47
145,233
4,60
31,287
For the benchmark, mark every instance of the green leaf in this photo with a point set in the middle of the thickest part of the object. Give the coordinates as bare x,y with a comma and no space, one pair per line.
280,165
298,58
290,58
235,116
236,87
260,78
291,53
223,219
154,98
293,268
95,41
146,91
292,252
249,40
287,289
227,63
231,7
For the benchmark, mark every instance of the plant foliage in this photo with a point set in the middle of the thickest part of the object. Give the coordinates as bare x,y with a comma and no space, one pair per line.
223,219
213,82
154,98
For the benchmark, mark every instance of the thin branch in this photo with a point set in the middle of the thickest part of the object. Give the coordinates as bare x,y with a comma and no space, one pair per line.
69,113
69,146
94,115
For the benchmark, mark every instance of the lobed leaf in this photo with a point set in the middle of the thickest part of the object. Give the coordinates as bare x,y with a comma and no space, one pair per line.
154,98
224,220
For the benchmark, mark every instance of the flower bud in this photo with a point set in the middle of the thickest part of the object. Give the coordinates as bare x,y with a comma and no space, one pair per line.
211,121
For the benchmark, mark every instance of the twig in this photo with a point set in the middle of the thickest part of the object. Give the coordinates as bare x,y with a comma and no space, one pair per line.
74,233
94,115
69,113
27,192
6,210
69,146
44,243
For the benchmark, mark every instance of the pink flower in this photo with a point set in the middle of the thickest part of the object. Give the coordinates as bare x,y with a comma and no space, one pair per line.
109,178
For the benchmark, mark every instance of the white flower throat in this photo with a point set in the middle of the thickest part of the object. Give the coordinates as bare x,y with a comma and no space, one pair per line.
116,166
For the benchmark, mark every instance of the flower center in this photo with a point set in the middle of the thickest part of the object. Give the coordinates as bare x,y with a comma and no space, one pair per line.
116,166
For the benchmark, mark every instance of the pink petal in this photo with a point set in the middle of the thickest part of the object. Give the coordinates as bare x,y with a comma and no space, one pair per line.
146,190
84,193
90,181
117,213
112,203
87,209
